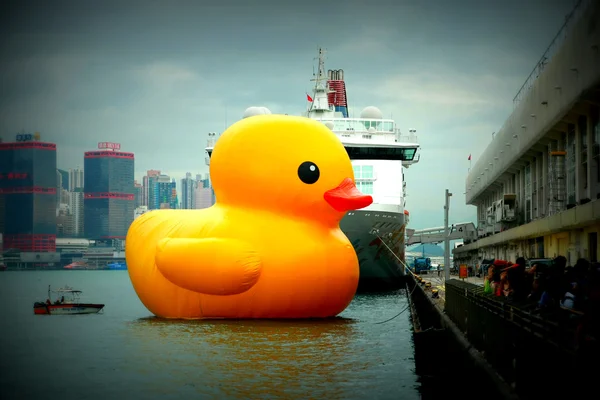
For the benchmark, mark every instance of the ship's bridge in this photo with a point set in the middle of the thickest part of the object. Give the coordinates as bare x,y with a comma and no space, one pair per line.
373,152
367,138
371,138
365,151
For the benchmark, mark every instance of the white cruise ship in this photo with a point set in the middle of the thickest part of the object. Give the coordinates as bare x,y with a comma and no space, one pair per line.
378,151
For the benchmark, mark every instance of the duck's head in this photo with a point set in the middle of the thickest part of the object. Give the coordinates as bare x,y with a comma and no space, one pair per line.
293,165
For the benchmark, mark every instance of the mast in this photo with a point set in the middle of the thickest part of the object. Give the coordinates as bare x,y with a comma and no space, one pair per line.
320,103
320,71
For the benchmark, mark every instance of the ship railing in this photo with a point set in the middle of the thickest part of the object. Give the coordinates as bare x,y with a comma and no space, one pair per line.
367,137
381,137
407,138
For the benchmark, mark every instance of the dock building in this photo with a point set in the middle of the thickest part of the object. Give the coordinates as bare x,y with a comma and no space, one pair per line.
537,185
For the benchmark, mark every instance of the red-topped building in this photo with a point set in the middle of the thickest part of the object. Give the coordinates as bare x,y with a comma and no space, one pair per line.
109,199
28,191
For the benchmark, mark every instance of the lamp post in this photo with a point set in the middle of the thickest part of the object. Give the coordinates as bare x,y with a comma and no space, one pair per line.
447,237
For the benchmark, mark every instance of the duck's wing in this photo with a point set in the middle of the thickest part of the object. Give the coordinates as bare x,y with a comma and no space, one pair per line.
214,266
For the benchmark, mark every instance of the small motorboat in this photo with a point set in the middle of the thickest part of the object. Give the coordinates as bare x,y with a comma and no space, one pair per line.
78,265
66,303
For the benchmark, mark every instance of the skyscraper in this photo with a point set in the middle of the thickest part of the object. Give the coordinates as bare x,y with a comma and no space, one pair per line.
138,190
76,216
109,192
204,193
188,192
76,179
59,186
164,195
28,183
64,178
149,189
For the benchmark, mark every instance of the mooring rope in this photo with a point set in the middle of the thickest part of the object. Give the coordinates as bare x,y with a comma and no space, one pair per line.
406,269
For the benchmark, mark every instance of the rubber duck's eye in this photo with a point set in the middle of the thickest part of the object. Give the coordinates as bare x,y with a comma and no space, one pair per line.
308,172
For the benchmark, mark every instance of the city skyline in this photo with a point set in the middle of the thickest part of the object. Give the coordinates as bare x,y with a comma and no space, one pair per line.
449,70
138,175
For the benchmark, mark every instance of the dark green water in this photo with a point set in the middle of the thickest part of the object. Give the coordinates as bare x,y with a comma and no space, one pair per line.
125,353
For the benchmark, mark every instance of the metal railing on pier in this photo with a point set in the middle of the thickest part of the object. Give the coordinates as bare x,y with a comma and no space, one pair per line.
524,348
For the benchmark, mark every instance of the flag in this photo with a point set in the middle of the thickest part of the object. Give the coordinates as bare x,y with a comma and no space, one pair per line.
469,159
308,97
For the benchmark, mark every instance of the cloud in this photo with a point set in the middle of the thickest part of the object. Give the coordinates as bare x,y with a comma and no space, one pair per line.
164,74
157,78
454,114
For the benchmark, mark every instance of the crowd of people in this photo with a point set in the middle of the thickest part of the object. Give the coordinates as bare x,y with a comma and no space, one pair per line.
549,288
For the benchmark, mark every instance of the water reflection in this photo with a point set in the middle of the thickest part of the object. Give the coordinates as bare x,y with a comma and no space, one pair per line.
117,355
265,359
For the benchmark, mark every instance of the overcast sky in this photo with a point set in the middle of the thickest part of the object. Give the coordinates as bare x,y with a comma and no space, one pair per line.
157,76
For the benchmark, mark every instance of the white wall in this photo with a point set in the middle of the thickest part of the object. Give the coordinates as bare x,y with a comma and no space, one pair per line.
387,187
559,86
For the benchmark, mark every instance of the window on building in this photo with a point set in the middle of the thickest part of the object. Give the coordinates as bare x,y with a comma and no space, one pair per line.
381,153
540,246
367,171
593,246
532,248
582,123
571,165
366,187
527,193
363,172
596,139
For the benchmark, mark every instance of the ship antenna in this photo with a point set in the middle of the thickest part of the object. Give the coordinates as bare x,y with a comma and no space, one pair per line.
320,75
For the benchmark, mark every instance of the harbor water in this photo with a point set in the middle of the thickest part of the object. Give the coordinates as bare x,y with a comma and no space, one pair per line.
125,352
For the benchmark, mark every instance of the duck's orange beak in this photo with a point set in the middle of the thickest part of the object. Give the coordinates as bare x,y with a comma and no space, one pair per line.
347,197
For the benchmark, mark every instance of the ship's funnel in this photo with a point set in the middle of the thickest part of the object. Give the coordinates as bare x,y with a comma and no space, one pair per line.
337,97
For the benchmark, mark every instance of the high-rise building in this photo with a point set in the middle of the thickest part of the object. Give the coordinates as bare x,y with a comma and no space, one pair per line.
76,179
149,189
203,197
138,191
109,199
59,185
28,183
204,193
64,197
2,210
205,182
64,178
138,212
188,192
174,197
62,216
76,213
165,193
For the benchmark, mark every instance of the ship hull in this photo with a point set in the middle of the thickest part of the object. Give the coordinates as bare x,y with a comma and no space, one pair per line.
378,237
41,308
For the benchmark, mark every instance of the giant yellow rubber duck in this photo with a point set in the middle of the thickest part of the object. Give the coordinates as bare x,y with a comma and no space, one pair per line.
271,246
